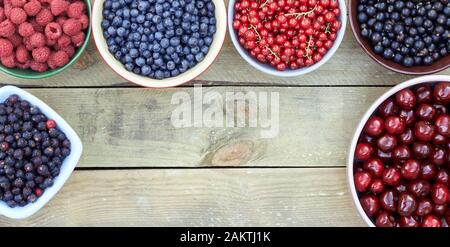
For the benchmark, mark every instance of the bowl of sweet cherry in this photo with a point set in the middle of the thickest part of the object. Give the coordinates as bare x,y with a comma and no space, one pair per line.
399,158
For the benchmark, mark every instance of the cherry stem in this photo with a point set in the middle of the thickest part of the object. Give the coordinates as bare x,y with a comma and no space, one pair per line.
301,14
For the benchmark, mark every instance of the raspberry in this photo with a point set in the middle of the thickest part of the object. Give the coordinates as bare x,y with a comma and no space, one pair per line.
84,19
70,50
37,27
58,59
41,54
16,40
52,42
9,61
37,40
18,3
18,16
7,28
64,41
26,29
78,39
7,9
6,48
76,10
58,7
72,27
44,17
39,67
61,19
24,65
2,14
32,8
22,54
53,31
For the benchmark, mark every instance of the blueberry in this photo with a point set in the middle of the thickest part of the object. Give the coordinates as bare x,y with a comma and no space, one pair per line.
121,31
134,53
140,61
165,43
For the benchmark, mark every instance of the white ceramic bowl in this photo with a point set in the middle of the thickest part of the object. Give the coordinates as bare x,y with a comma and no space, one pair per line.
117,66
362,123
67,167
266,68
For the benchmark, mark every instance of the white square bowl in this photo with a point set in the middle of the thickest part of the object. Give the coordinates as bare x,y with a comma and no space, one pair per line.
67,166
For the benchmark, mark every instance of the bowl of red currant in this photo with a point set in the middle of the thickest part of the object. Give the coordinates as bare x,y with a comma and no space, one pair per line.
399,158
287,37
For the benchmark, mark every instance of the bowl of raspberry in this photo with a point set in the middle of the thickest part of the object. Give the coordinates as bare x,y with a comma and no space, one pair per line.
159,43
38,152
399,160
42,38
408,37
287,37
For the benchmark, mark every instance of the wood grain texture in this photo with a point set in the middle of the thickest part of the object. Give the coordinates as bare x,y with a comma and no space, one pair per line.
200,197
349,66
133,128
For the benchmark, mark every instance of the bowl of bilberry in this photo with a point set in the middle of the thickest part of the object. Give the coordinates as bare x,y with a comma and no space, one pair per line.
38,153
159,43
409,37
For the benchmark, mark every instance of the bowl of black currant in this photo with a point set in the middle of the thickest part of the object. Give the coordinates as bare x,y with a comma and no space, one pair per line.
408,37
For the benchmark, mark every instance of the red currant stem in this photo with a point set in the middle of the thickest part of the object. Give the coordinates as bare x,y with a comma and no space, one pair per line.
256,31
264,4
301,14
308,48
273,53
328,27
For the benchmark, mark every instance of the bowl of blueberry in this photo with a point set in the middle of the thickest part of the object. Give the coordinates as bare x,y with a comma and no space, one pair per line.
409,37
38,152
159,43
399,160
287,37
39,39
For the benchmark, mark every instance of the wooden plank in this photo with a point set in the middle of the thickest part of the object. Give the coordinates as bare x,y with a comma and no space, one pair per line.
205,197
133,128
349,66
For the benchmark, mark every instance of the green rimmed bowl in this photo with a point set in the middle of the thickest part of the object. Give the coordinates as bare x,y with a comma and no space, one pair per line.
30,74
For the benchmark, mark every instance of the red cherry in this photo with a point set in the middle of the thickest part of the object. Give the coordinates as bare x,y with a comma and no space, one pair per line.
426,112
401,153
421,150
363,151
406,137
387,142
408,116
424,93
388,108
411,169
395,125
440,209
377,186
362,181
374,126
370,204
443,125
406,99
424,131
442,92
439,193
431,221
420,188
384,219
388,201
374,166
438,156
424,207
408,221
391,176
407,204
442,177
428,171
